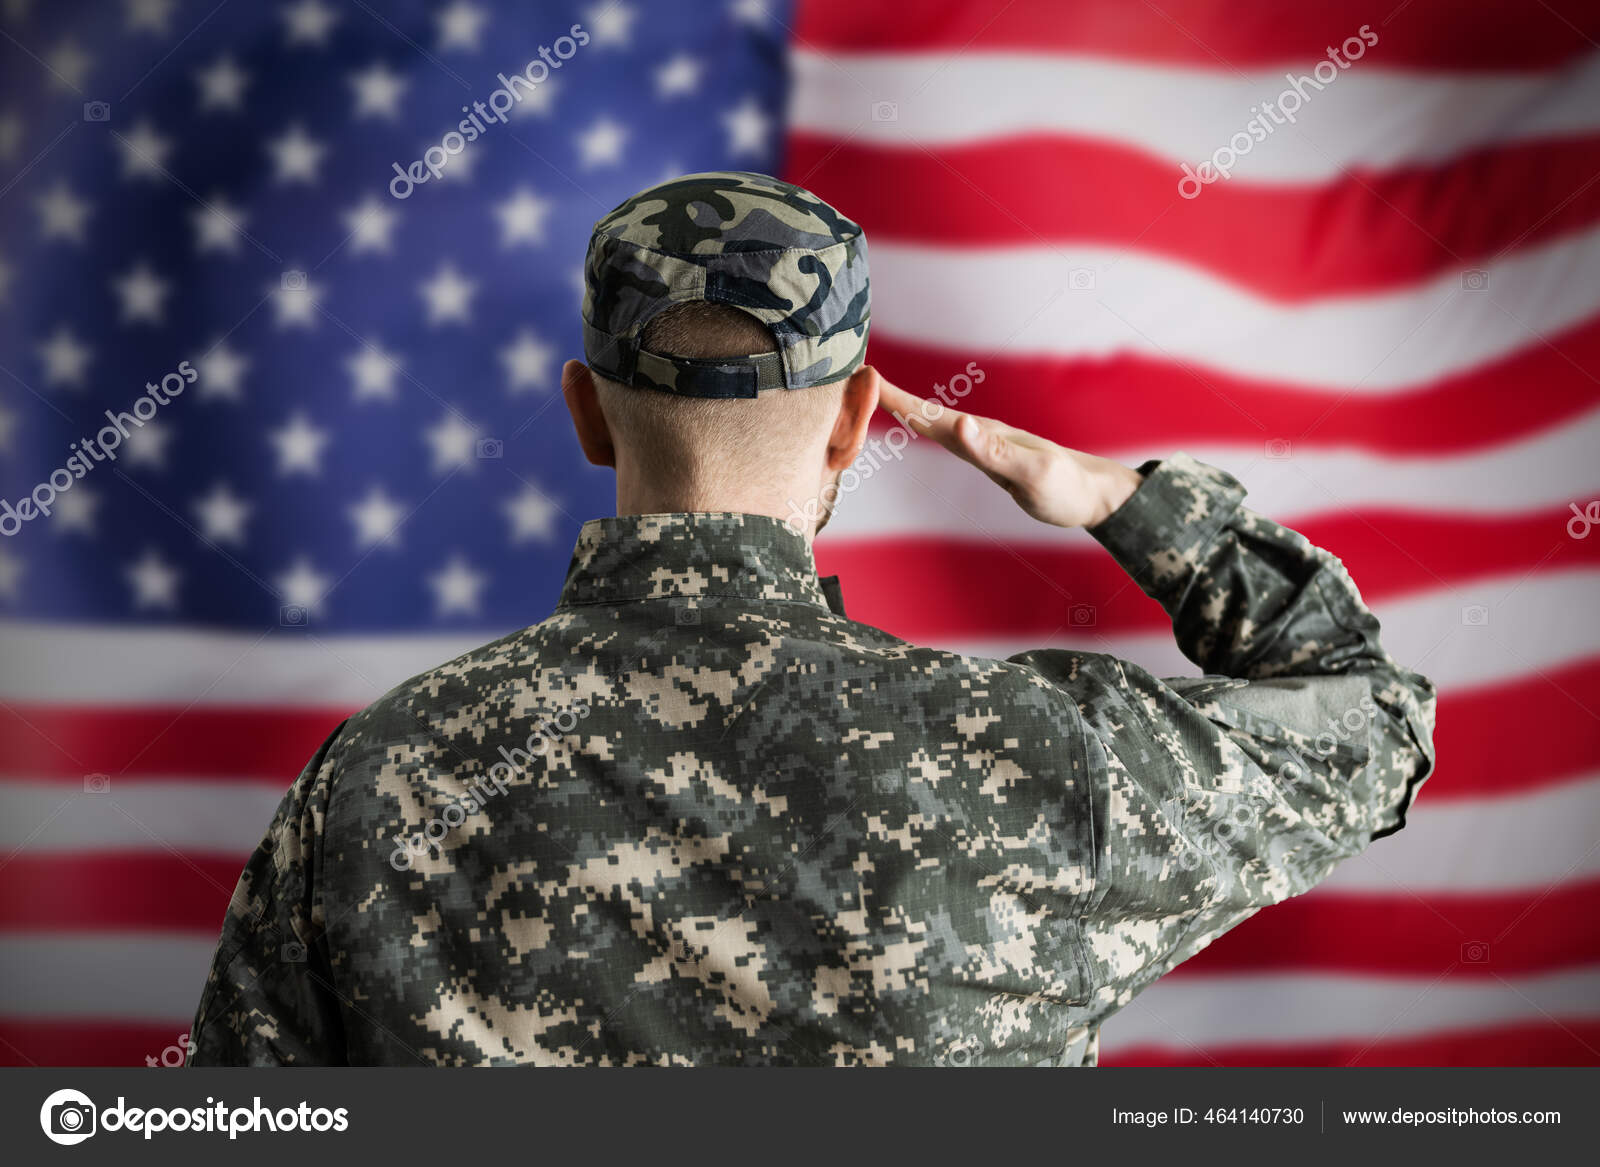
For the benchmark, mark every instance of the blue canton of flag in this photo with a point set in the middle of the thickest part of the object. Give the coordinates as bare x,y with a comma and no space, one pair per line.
362,429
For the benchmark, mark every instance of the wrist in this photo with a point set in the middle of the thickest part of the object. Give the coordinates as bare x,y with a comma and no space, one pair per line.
1116,484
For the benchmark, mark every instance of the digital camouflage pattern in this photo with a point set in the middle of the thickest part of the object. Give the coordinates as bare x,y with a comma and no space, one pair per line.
739,828
731,237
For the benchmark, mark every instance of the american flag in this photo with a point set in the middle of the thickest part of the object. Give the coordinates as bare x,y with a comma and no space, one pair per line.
1385,320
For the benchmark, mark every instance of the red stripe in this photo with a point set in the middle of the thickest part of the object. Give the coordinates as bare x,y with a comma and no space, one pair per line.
259,745
1390,554
80,1041
1140,403
1553,1043
1472,937
77,892
1356,233
1560,738
1443,34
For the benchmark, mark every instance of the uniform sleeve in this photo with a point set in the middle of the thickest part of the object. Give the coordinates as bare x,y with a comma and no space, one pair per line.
1216,796
269,998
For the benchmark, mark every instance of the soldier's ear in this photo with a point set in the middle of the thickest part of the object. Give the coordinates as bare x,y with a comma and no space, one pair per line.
583,403
855,413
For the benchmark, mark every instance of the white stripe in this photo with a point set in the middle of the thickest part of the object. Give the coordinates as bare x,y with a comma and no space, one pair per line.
1502,844
222,815
1535,624
1370,117
88,664
1023,301
112,975
1184,1013
1531,628
925,491
1515,842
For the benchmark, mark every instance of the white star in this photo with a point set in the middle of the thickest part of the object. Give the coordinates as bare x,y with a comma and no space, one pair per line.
601,144
373,372
460,166
144,152
147,445
456,588
223,515
455,443
152,15
296,156
10,575
63,214
461,26
532,515
377,518
154,582
303,586
299,446
449,296
681,75
309,22
218,225
527,362
222,85
610,24
10,135
143,295
747,128
68,66
296,306
538,101
751,12
65,360
221,371
378,91
522,218
75,510
370,224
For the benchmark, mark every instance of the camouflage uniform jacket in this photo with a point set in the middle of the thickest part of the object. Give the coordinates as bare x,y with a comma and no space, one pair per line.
700,817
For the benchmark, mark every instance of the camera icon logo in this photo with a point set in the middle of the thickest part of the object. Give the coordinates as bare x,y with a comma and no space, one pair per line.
97,783
1277,450
294,281
1475,616
1081,279
1475,952
293,616
490,448
293,952
961,1054
1475,280
885,111
687,616
1082,616
97,111
67,1117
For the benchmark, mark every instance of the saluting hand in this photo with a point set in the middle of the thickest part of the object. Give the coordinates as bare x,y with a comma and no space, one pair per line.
1052,483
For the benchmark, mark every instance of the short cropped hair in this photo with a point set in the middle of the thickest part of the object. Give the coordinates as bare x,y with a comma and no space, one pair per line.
697,446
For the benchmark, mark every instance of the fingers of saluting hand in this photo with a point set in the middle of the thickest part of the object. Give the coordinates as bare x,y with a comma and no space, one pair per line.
990,445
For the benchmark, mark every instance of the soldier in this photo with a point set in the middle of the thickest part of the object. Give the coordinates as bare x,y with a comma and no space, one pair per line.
699,816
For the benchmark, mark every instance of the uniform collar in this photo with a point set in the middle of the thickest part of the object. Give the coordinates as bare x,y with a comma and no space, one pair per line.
698,553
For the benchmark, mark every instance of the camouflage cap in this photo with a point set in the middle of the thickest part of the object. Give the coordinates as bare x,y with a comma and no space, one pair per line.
728,237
